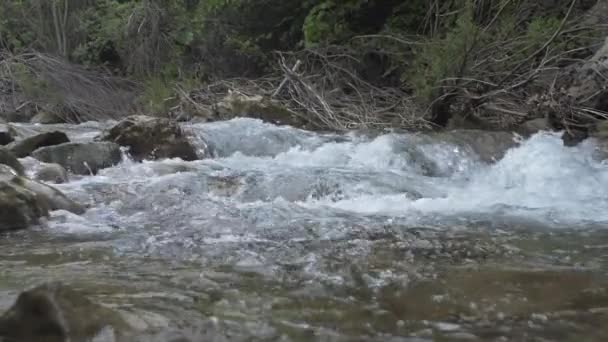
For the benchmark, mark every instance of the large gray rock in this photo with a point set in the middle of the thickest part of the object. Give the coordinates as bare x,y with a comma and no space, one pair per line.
46,118
489,146
258,107
25,147
53,198
53,173
20,208
531,127
81,158
24,201
8,158
54,312
152,138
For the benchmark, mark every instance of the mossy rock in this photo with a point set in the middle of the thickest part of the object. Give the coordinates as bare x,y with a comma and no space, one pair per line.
20,208
258,107
152,138
54,312
9,159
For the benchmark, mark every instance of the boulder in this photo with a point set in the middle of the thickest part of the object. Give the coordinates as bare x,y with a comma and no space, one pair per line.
8,158
25,147
531,127
53,173
46,118
6,135
54,312
490,146
53,198
258,107
20,208
81,158
152,138
24,201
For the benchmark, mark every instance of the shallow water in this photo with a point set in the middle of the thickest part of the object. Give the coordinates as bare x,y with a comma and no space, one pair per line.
287,235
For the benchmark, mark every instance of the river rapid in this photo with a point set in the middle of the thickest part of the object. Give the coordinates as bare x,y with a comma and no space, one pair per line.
289,235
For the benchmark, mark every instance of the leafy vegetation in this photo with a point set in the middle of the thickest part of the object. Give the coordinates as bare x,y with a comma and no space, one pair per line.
425,48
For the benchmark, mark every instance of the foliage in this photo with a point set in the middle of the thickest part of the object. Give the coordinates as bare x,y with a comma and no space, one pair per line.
431,67
423,47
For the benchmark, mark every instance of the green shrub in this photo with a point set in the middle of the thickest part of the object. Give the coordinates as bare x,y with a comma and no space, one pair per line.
444,57
157,96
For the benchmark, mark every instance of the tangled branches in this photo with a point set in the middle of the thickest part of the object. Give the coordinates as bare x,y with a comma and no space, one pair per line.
69,91
506,73
323,88
328,87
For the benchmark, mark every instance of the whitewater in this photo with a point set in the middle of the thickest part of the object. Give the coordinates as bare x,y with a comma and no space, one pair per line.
285,234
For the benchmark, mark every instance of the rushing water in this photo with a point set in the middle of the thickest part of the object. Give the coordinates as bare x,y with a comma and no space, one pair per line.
288,235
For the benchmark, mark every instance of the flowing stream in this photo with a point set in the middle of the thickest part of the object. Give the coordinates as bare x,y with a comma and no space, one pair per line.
288,235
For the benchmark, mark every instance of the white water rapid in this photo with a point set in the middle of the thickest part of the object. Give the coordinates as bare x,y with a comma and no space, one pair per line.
289,235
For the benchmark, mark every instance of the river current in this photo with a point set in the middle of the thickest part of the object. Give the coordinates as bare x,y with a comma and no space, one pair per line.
289,235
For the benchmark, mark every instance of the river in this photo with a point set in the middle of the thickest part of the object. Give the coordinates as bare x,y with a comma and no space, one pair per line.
289,235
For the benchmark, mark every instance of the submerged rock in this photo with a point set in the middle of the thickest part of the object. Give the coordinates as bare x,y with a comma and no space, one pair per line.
152,138
81,158
8,158
25,147
534,126
490,146
52,172
54,312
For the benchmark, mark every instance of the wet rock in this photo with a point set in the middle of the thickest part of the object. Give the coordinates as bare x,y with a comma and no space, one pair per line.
490,146
53,173
46,118
57,313
573,137
20,208
258,107
25,147
8,158
534,126
152,138
6,136
81,158
52,198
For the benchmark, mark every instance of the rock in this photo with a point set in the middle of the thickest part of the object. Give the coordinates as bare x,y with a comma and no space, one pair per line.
490,146
24,201
53,173
8,158
46,118
6,135
19,207
152,138
258,107
600,131
26,146
534,126
81,158
573,137
54,312
53,198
